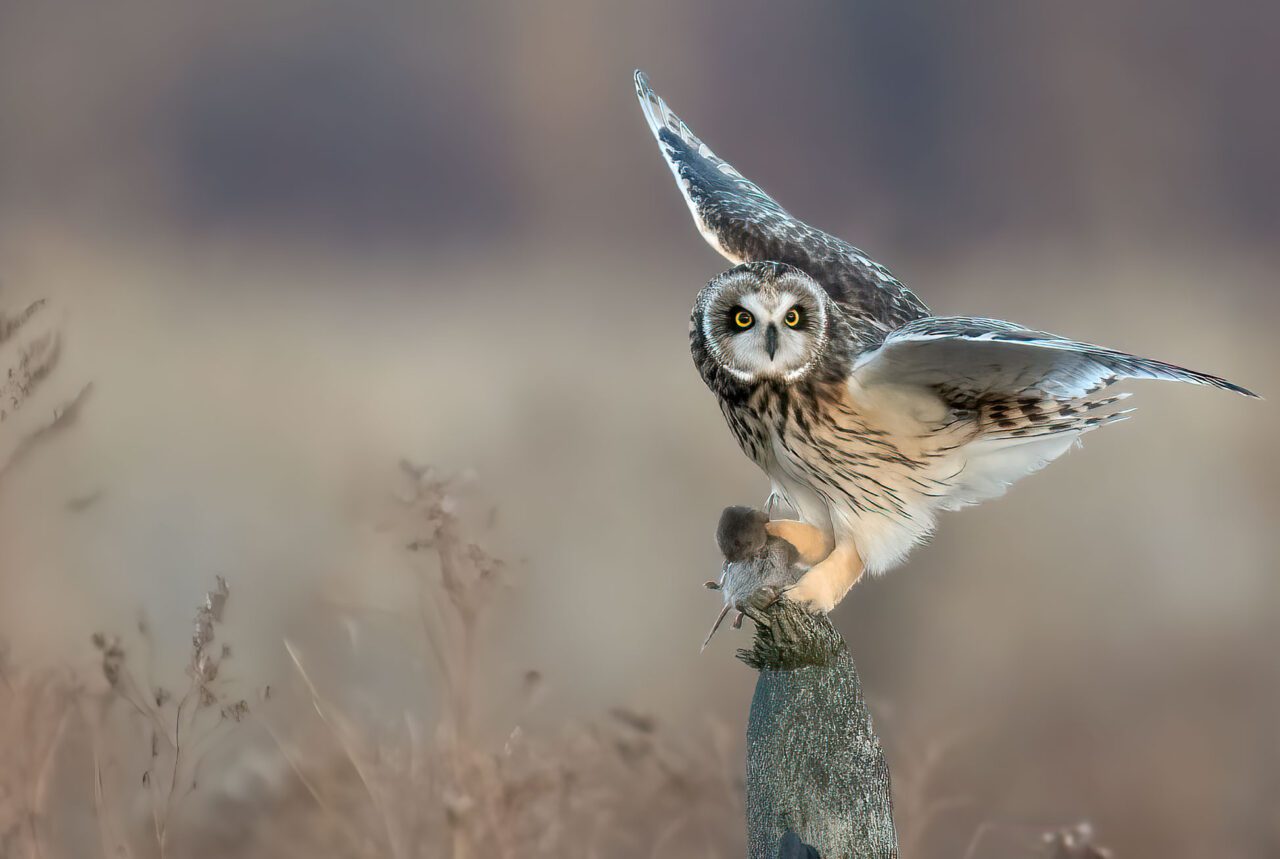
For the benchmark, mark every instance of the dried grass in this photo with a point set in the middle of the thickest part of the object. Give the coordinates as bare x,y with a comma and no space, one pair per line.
180,730
34,710
25,366
624,785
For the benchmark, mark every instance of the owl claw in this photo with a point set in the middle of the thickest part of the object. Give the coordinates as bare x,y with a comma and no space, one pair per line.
817,609
814,604
820,589
763,598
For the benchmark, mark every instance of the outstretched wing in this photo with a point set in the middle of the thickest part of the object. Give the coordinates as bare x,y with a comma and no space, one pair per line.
969,361
1019,398
745,224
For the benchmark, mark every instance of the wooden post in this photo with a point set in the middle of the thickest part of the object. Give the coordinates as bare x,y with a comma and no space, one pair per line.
817,780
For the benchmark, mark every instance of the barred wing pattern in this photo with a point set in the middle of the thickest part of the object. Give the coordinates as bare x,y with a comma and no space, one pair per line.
968,360
745,224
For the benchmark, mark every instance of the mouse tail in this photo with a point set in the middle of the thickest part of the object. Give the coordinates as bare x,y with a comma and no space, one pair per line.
719,620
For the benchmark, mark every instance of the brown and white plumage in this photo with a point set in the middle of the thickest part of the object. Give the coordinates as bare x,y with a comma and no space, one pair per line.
869,415
745,224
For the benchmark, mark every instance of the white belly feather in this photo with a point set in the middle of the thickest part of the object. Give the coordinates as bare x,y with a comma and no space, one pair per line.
887,504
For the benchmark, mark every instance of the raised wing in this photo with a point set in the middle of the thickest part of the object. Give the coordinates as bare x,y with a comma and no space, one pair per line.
970,361
745,224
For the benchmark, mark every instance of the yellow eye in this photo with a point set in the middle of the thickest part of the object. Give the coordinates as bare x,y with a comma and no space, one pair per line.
792,318
743,319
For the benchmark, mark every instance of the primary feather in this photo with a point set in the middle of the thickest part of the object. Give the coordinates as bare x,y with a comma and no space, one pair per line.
970,356
745,224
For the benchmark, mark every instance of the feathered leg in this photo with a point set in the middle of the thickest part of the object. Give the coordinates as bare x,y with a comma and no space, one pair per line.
826,583
812,543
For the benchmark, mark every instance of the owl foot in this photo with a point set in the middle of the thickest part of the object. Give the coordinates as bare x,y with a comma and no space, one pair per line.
811,543
762,598
758,604
821,589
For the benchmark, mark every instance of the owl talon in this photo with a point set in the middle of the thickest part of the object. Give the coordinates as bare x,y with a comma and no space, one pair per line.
762,598
814,607
821,589
815,602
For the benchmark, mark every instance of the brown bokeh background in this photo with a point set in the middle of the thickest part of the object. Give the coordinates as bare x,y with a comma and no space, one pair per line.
290,243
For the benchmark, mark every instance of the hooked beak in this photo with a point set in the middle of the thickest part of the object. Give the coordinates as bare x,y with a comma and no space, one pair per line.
771,340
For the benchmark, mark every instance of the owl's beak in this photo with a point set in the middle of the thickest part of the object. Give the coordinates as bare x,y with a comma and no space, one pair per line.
771,340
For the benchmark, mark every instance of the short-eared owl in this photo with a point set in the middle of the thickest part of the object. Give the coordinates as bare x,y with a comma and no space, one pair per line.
869,414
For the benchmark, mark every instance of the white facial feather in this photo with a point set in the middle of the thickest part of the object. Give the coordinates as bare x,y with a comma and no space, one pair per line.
744,352
747,350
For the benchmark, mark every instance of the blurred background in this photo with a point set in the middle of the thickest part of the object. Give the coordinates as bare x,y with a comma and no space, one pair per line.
289,244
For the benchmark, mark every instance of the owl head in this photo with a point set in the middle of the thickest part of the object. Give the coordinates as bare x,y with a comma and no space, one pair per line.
763,320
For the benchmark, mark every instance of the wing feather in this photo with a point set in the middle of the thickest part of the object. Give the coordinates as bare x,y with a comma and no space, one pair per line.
969,360
745,224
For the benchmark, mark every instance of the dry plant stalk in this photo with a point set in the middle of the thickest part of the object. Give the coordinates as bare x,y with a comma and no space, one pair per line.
451,604
24,368
624,786
34,711
620,787
180,730
1074,842
923,801
35,707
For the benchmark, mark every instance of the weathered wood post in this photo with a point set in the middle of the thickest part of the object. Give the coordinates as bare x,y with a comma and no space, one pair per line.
817,780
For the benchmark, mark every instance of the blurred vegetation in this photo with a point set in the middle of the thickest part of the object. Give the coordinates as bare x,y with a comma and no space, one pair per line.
289,243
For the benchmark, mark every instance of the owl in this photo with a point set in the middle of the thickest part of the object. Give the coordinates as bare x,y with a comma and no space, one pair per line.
869,415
